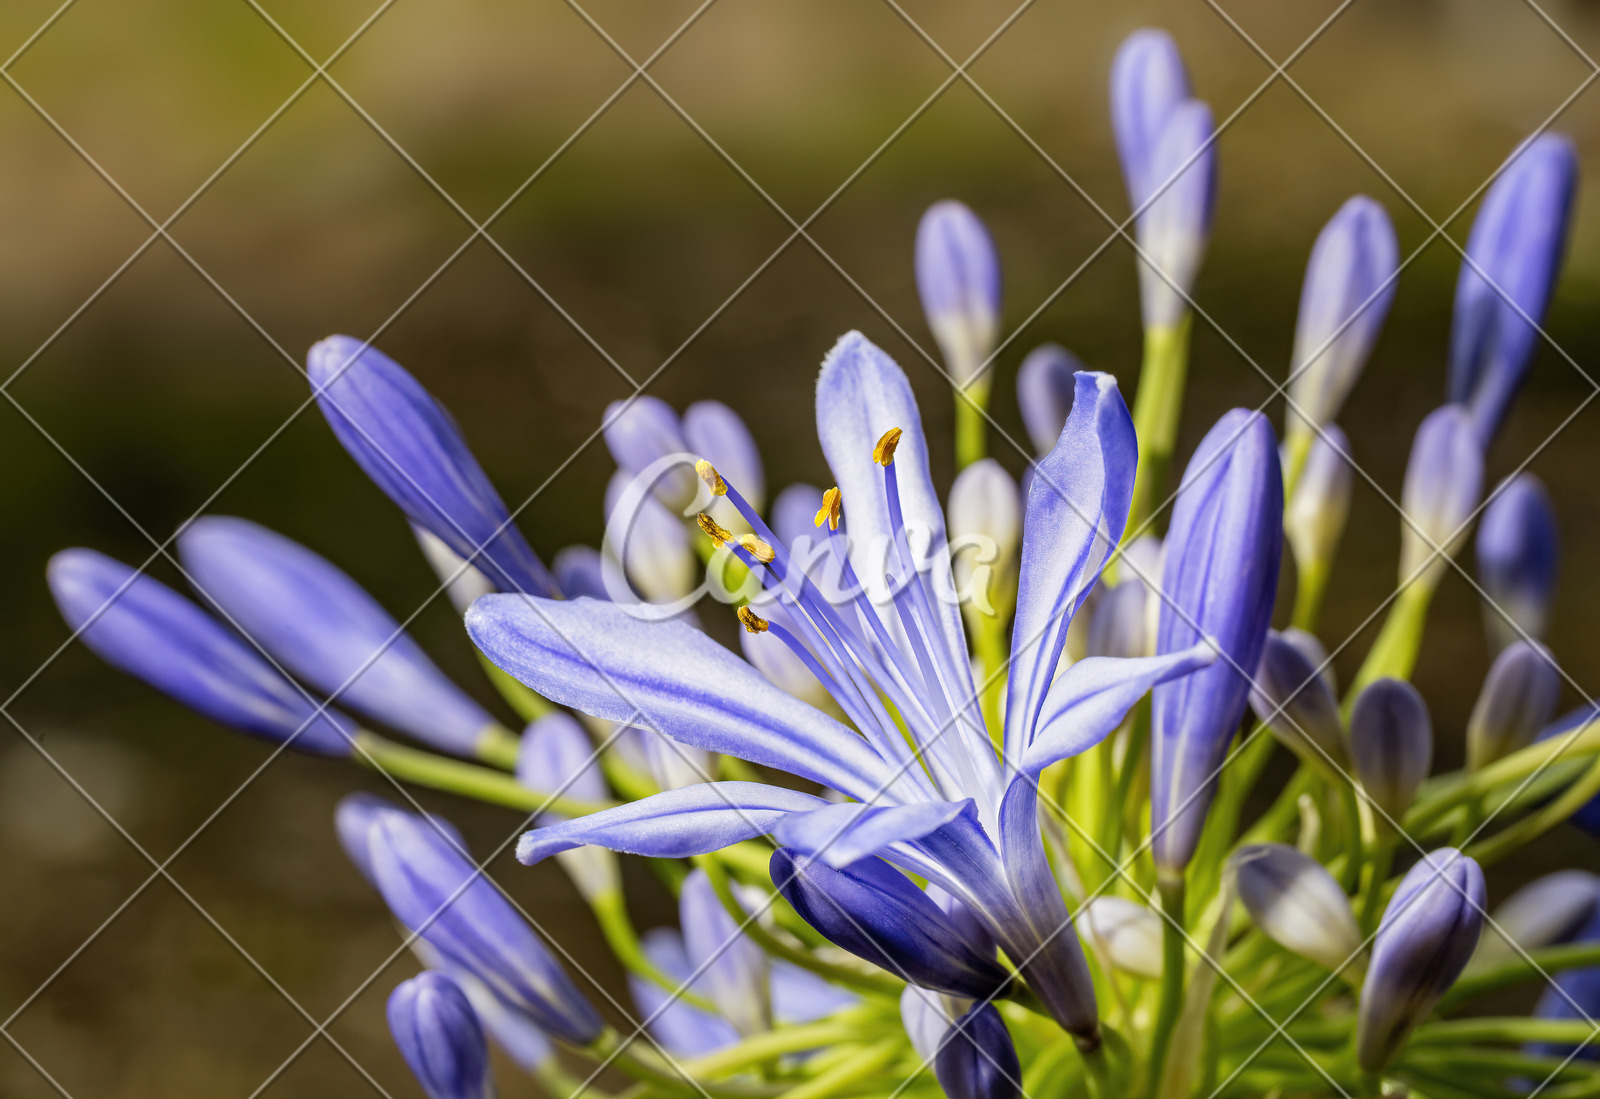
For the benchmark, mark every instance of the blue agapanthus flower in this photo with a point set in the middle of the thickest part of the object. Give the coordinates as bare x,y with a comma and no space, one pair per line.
959,813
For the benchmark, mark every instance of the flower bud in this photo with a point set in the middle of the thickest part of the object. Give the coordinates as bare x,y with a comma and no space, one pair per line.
1428,934
794,514
732,967
1507,277
522,1041
716,433
958,278
1391,744
1121,622
1128,932
1314,517
1173,228
411,448
1444,478
151,632
1221,572
1548,911
353,820
1571,994
927,1015
643,431
1148,82
583,571
683,1029
321,625
1518,550
463,582
1045,386
1314,652
440,1038
1349,287
985,524
873,911
1519,697
557,759
977,1059
437,893
1297,904
649,542
1298,705
674,765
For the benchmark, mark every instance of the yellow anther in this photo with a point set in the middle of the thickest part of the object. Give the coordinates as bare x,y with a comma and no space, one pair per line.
829,511
756,548
717,534
752,621
883,453
708,473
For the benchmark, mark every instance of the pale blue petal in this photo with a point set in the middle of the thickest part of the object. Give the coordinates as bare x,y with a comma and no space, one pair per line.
676,824
598,658
683,1029
801,996
841,834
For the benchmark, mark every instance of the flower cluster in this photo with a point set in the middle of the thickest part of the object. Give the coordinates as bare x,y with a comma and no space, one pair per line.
976,778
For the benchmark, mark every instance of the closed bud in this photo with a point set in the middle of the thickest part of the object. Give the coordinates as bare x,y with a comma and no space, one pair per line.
1297,704
143,627
1444,478
716,433
411,448
648,541
643,431
581,571
1427,936
1297,904
463,581
522,1041
321,625
557,759
1120,625
1507,277
985,524
1176,222
1391,744
1221,572
683,1029
1045,386
1518,550
873,911
440,1038
1314,517
1348,289
1571,994
977,1059
1548,911
1128,933
1148,82
437,893
1519,698
958,278
733,969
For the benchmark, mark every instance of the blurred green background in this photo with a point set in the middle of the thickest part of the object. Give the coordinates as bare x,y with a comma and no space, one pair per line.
161,396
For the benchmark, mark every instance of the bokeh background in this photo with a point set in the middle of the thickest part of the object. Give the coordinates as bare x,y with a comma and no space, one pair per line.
173,391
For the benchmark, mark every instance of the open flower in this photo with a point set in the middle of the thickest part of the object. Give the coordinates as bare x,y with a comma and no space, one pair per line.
958,814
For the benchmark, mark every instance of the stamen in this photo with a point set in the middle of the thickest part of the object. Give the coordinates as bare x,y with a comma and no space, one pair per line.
752,621
829,511
756,548
883,453
708,473
717,534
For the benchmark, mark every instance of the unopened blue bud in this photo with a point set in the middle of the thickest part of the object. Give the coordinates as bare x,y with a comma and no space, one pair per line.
1128,932
1045,385
1148,81
1444,479
1518,551
1174,226
1519,697
581,572
644,430
557,756
977,1059
321,625
958,278
873,911
411,448
1391,744
1297,904
436,892
733,969
1121,623
1220,577
1315,514
1348,289
1513,254
683,1029
1298,705
353,821
649,541
151,632
440,1038
1548,911
716,433
1427,936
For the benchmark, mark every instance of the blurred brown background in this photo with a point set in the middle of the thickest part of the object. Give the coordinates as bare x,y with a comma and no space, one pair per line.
160,390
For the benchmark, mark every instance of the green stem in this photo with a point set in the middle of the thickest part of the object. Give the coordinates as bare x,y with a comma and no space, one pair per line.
1156,410
971,427
846,1028
1172,962
1536,824
1353,831
1377,872
1504,771
499,747
528,705
467,779
1297,441
1394,653
1511,1029
1550,959
848,1076
612,914
1310,586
